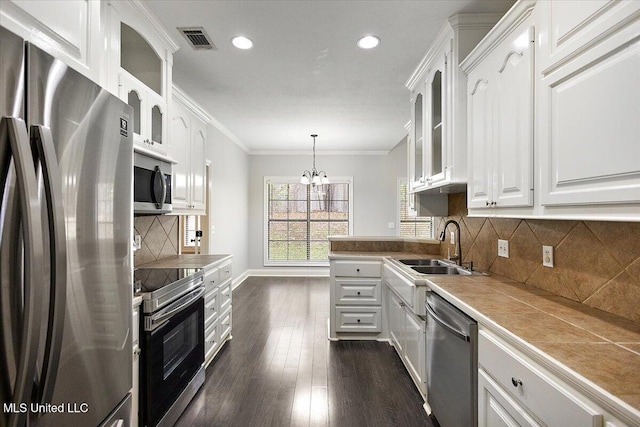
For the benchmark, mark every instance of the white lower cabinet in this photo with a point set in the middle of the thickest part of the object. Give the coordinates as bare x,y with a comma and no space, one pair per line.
217,309
356,299
514,390
407,334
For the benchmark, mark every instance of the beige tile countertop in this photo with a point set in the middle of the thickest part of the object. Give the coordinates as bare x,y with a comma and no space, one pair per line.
597,352
187,261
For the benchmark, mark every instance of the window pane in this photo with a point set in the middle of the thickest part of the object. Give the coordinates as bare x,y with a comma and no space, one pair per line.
298,250
319,250
319,230
339,210
339,192
298,209
338,228
278,191
277,250
319,209
297,192
278,210
277,230
297,231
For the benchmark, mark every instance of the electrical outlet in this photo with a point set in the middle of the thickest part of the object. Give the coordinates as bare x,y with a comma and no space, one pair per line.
391,225
213,229
137,241
453,237
547,256
503,248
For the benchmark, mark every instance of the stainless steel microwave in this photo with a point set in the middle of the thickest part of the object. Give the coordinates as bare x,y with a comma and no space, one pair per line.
151,185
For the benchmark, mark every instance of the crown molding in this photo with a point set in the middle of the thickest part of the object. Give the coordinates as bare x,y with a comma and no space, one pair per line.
146,14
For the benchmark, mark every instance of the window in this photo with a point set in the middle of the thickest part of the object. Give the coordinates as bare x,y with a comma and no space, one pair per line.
299,220
410,224
190,224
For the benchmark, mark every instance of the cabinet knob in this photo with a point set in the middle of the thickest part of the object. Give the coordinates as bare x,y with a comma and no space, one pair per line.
358,292
358,270
493,203
358,320
516,382
486,203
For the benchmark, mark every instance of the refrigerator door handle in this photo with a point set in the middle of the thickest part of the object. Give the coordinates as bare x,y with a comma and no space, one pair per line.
42,142
14,130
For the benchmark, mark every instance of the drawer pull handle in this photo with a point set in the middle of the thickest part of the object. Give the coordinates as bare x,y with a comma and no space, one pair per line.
516,382
358,320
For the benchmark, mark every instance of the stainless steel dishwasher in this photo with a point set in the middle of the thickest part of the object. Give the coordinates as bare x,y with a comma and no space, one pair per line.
452,364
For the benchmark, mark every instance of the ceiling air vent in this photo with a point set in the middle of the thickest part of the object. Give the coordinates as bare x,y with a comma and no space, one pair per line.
197,38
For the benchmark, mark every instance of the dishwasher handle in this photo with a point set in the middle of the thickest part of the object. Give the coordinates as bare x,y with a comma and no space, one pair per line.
445,325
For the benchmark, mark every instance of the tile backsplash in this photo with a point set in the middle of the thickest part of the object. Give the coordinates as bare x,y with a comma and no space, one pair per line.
159,234
595,262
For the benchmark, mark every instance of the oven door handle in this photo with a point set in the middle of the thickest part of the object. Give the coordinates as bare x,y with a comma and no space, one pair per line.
180,305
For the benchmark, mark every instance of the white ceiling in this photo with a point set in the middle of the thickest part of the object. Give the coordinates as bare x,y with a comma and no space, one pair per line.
305,74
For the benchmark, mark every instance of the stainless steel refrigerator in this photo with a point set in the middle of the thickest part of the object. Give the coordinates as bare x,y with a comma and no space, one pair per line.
65,254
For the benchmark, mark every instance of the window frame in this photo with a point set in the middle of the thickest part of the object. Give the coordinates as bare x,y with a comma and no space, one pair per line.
265,220
404,181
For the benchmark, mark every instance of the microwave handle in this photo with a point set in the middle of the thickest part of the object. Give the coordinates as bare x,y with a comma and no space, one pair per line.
163,181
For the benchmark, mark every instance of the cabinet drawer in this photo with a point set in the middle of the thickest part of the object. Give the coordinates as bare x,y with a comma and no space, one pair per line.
225,272
358,319
553,403
211,307
358,291
357,268
225,325
212,339
224,296
212,279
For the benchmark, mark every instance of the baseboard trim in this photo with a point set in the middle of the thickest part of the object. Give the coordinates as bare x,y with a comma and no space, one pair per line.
239,280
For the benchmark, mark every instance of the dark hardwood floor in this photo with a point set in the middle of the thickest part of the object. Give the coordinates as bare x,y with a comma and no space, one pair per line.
281,370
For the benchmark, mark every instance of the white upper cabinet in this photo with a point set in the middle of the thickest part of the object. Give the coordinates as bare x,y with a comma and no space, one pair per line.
553,129
589,110
139,67
437,149
69,31
189,135
500,90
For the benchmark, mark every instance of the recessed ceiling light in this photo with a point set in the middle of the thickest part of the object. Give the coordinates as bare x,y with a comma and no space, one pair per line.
241,42
368,42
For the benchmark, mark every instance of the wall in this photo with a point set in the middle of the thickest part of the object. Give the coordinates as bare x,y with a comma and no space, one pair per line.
374,190
596,263
229,200
159,236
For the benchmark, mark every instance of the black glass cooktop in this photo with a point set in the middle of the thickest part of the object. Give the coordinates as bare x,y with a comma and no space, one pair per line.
152,279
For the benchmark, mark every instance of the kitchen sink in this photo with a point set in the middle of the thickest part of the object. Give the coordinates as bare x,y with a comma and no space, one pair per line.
422,262
439,269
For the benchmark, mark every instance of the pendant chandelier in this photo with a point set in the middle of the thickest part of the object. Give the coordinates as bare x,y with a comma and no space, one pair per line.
313,177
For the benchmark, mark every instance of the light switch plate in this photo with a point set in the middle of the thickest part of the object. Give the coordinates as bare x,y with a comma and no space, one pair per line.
503,248
137,242
547,256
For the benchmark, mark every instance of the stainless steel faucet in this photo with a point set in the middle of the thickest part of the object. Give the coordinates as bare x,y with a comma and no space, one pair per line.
456,258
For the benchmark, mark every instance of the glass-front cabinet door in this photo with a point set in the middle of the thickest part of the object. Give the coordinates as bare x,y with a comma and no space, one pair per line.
436,123
416,148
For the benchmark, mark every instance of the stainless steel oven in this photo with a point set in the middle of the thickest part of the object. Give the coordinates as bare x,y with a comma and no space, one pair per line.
172,343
